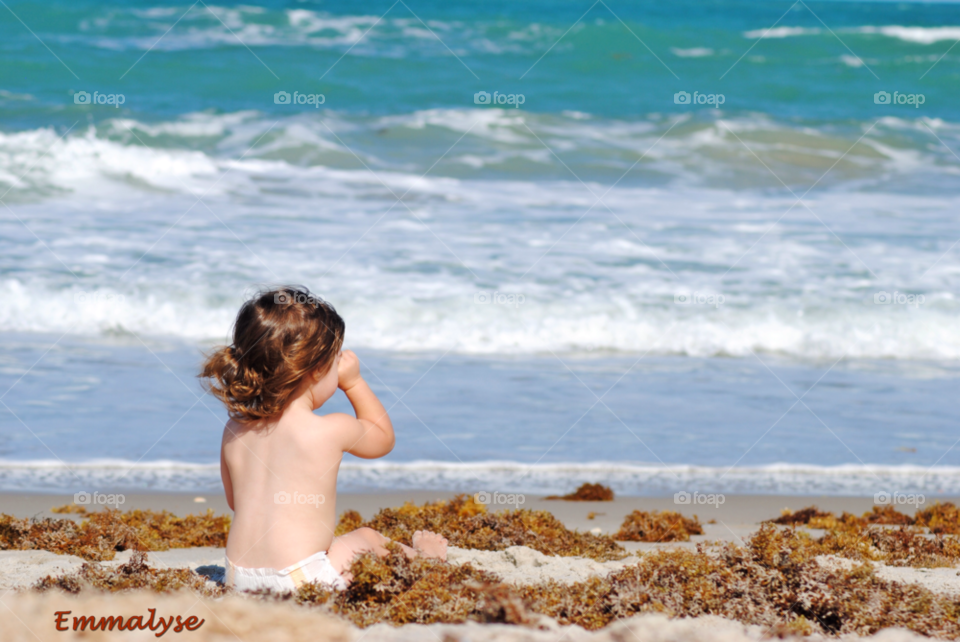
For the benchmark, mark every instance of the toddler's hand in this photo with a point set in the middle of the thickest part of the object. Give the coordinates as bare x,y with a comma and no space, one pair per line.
348,370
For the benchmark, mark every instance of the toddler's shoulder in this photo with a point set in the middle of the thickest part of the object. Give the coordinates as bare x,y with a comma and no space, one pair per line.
337,425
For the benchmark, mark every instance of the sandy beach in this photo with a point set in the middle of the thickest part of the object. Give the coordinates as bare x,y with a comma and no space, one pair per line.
736,512
236,618
26,615
735,519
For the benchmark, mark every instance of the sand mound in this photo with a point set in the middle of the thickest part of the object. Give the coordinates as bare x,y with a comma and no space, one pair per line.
20,569
645,628
938,580
516,565
523,565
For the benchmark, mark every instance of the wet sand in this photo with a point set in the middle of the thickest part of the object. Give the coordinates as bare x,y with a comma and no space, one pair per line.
736,511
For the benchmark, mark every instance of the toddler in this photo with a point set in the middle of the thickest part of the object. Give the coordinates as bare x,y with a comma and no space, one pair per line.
278,459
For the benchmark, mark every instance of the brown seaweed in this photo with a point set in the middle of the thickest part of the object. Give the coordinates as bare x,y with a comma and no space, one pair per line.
467,524
773,581
133,575
655,526
587,493
101,534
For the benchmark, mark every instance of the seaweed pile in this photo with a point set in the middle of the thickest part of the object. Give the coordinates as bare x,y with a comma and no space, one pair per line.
467,524
774,581
399,590
587,493
939,519
101,534
668,526
884,535
134,574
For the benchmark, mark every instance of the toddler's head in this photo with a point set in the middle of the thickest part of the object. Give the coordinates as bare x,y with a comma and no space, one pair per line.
280,338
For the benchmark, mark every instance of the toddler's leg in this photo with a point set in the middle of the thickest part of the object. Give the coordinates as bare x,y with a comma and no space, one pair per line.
365,540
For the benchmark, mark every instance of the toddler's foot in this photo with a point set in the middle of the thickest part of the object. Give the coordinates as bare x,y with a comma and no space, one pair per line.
430,544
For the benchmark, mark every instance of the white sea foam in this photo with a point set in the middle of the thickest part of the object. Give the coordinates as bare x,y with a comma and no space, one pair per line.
922,35
113,154
695,52
249,26
796,279
503,476
437,317
781,32
82,164
852,61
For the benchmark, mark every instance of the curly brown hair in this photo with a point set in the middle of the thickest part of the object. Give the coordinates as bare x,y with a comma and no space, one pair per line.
280,337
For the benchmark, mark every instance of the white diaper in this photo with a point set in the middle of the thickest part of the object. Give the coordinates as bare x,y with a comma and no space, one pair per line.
316,568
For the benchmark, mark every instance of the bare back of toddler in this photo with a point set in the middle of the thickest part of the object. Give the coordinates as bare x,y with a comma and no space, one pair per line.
279,460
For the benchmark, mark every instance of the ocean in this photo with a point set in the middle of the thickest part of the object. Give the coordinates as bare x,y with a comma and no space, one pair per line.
702,246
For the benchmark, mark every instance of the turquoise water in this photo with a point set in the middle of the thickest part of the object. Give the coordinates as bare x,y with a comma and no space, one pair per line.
152,175
621,60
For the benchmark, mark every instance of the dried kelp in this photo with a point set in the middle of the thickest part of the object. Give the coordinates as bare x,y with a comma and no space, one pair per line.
133,575
940,518
467,524
587,493
773,581
800,517
655,526
943,518
102,534
399,590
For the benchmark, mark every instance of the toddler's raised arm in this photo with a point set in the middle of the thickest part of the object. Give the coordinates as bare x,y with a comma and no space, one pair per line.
371,433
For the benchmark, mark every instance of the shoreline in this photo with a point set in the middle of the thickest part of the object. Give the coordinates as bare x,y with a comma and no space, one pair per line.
738,513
